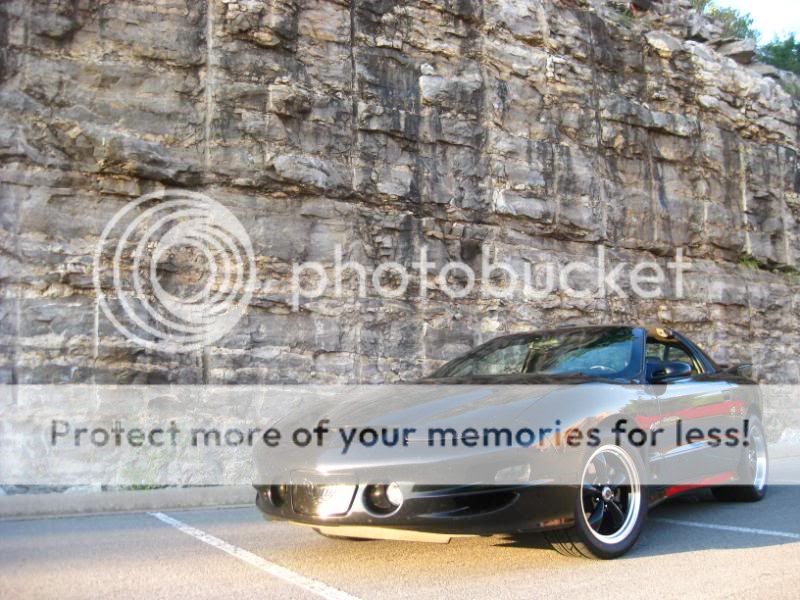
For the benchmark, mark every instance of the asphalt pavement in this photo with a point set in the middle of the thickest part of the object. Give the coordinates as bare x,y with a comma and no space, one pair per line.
691,547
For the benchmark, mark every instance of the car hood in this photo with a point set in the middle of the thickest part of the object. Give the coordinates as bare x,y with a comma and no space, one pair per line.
430,405
413,429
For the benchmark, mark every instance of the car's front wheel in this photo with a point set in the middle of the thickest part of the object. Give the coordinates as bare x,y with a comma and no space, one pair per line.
610,506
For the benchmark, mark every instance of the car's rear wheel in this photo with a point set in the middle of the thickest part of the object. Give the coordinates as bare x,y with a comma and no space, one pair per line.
753,469
610,506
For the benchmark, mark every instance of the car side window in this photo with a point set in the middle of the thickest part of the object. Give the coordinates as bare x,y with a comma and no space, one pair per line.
660,351
505,361
655,350
678,354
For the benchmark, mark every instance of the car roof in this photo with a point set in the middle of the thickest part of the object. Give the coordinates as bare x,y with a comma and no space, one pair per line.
568,328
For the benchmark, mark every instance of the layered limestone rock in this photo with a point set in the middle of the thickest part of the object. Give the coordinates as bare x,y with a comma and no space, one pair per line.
533,130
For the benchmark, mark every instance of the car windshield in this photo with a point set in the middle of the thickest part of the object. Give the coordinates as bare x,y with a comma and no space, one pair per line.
587,352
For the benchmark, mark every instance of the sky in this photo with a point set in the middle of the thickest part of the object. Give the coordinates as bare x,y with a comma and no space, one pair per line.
770,17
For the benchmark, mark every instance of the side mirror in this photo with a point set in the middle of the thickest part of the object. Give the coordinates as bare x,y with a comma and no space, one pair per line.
670,370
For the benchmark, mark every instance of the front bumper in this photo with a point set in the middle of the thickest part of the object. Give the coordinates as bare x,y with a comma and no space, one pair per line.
452,510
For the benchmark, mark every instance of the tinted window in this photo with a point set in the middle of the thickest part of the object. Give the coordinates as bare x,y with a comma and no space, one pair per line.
669,352
600,352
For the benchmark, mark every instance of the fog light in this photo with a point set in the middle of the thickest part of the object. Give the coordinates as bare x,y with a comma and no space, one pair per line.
394,494
380,500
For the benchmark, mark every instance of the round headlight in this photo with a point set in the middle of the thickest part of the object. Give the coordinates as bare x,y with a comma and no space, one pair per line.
394,494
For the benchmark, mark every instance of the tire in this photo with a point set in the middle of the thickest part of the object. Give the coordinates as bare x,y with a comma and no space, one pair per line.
341,537
609,510
753,469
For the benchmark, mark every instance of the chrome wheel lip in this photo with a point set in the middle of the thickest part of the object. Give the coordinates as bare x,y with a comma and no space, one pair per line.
758,456
634,495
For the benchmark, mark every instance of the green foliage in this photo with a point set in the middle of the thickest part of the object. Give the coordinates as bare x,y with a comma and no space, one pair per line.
626,18
734,23
749,261
794,277
791,88
701,5
783,54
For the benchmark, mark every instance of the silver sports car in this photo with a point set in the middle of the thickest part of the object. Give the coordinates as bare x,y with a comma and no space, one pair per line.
697,424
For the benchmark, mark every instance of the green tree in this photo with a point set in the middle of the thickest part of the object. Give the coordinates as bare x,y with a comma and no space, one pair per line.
734,23
702,5
784,54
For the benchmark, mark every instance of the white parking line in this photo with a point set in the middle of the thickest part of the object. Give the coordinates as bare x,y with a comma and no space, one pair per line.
771,532
310,585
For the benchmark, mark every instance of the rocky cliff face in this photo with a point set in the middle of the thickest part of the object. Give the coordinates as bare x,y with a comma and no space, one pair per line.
534,129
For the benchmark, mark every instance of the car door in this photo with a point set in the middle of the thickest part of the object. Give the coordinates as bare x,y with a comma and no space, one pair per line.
693,409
